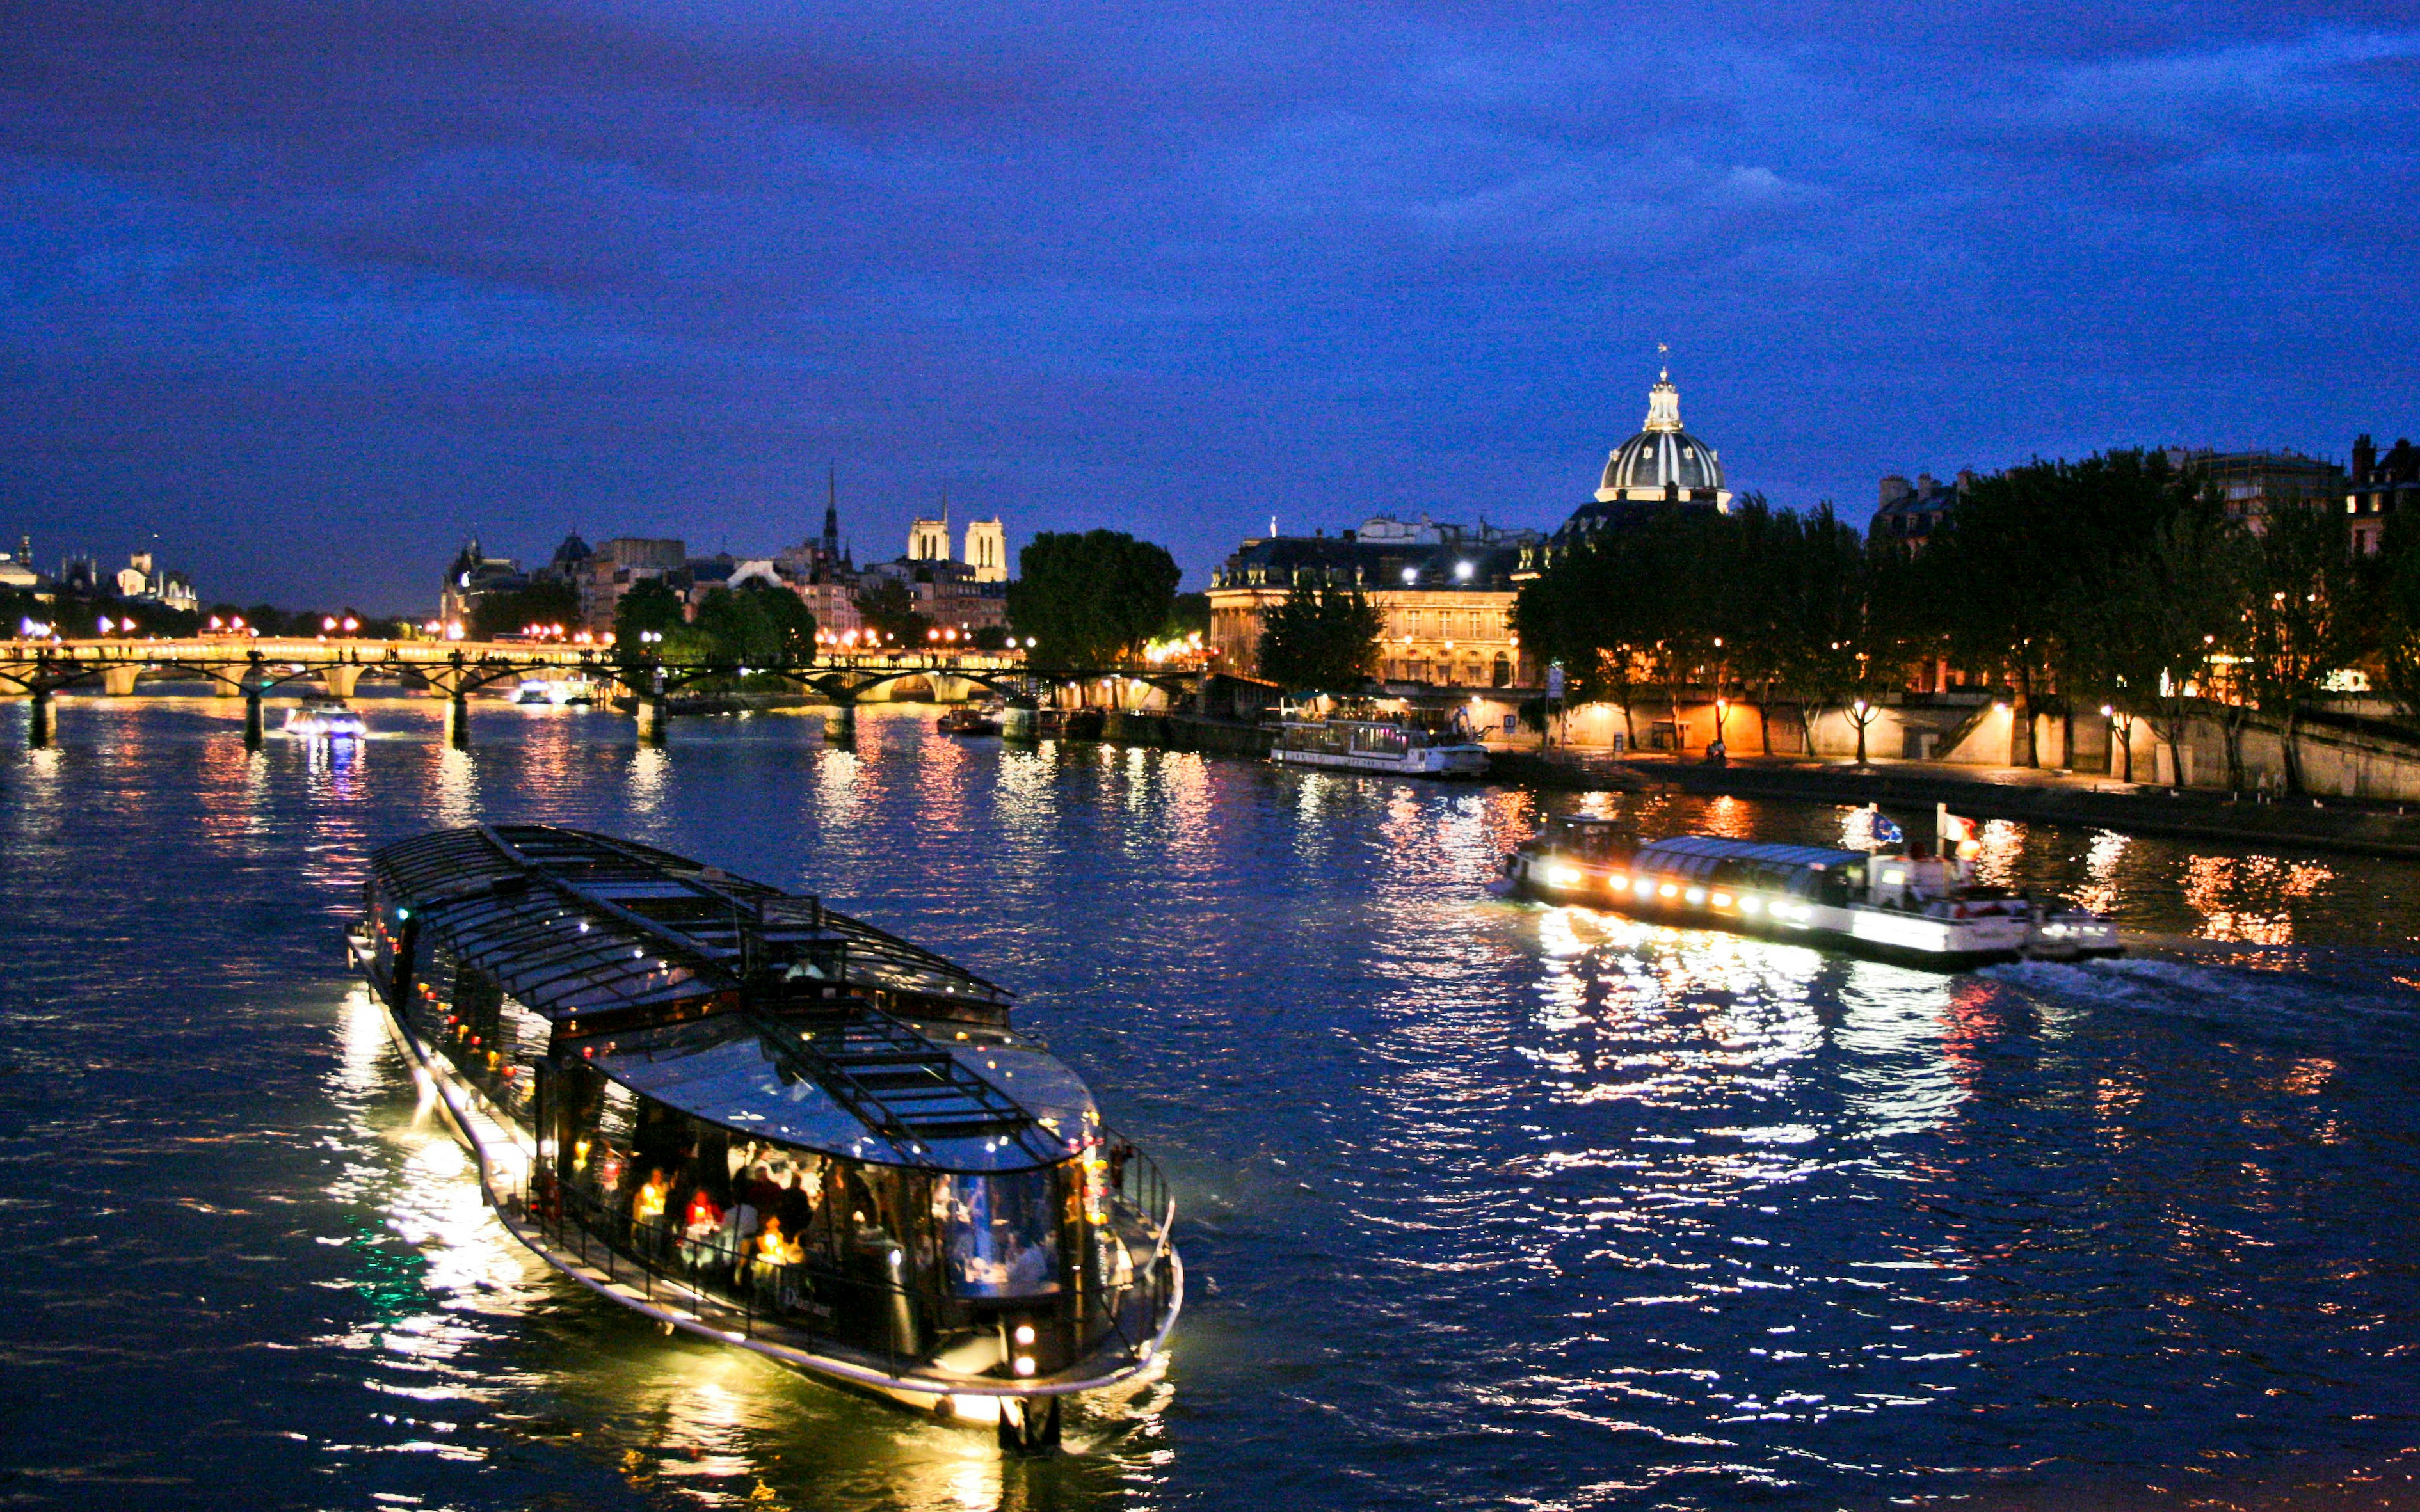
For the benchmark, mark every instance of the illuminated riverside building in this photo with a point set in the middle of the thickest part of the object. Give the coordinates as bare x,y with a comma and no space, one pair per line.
1445,591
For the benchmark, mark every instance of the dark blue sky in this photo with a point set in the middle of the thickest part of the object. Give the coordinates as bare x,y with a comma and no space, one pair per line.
310,289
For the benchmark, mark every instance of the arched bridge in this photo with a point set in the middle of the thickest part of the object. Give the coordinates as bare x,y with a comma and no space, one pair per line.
252,668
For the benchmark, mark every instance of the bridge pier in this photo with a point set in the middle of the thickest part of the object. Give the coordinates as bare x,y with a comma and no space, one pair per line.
341,678
37,734
458,721
253,731
840,725
651,719
119,682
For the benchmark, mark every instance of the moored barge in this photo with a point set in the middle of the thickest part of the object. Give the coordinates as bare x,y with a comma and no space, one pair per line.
753,1118
1391,747
1907,905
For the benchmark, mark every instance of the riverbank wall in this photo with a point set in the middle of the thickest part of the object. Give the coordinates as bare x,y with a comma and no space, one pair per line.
1186,732
1909,796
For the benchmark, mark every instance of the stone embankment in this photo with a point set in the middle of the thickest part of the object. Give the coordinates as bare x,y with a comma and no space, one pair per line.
1909,791
1186,732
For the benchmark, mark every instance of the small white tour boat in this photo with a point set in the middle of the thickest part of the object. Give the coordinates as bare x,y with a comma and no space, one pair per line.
324,717
1908,904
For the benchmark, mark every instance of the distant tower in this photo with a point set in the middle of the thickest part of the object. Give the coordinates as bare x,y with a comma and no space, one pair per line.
832,515
928,540
987,550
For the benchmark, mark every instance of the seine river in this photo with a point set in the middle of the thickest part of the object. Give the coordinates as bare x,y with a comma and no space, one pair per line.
1484,1205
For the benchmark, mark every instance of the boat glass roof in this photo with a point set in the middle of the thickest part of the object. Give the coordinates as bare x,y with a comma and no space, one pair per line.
1811,856
574,922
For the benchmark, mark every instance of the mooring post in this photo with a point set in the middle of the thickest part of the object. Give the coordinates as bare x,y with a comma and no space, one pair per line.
253,733
37,734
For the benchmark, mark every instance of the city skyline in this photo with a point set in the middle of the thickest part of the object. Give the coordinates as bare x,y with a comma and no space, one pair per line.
310,299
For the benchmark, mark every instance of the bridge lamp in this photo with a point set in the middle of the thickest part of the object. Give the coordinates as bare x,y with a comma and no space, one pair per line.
352,624
1411,575
1461,572
104,625
236,623
328,622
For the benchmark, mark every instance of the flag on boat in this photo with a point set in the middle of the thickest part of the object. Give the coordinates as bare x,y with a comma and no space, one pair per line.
1958,835
1869,830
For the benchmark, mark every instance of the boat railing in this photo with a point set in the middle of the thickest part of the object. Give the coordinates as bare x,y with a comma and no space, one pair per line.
808,1305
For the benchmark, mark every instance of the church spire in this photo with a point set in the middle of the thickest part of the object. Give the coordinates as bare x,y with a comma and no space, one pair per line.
832,512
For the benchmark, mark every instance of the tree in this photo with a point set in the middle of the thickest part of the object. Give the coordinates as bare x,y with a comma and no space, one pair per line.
2398,570
1091,600
1320,638
650,606
757,622
2302,616
541,603
1188,614
2146,640
890,609
1995,584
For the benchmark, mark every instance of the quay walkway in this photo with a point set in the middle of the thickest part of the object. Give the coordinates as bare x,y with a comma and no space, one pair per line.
2041,795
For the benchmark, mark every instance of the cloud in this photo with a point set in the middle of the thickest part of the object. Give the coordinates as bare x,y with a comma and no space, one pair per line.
407,266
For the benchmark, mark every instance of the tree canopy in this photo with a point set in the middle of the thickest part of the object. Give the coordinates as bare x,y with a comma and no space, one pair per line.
1091,600
1320,640
889,608
541,603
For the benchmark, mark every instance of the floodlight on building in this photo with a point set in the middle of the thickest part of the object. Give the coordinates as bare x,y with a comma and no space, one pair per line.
1462,571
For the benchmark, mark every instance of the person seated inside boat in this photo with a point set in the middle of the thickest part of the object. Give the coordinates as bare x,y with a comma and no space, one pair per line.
771,1264
702,1229
648,1208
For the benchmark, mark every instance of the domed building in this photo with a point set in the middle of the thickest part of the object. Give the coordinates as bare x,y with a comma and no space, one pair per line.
1662,465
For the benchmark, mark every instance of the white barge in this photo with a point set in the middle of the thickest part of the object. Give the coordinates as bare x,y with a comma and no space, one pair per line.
754,1119
1386,747
1907,905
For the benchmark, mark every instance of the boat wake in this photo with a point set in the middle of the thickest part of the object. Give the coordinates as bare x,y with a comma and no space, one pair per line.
2343,1013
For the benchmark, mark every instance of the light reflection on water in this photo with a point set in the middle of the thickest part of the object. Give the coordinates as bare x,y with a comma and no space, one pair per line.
1487,1204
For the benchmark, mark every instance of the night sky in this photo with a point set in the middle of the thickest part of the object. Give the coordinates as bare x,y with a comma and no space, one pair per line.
311,291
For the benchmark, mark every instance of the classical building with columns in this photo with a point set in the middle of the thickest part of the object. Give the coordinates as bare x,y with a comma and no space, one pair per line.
1447,591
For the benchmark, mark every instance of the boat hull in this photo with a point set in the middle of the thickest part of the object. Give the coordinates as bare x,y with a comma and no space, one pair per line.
503,1151
1443,763
1908,939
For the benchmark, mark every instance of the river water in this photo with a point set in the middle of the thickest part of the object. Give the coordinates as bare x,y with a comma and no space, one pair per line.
1484,1204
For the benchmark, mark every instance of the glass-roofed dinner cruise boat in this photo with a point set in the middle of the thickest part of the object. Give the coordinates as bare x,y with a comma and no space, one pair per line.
1909,905
750,1117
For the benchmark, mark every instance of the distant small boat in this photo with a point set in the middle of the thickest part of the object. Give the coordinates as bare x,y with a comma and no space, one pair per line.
321,717
968,721
533,691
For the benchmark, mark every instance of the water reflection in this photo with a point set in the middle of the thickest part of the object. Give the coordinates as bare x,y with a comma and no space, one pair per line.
1486,1204
2251,898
